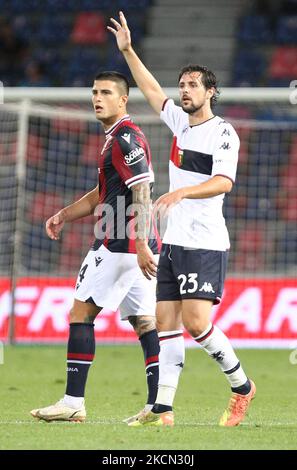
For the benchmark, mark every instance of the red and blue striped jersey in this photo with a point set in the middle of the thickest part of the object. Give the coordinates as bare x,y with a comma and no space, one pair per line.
125,160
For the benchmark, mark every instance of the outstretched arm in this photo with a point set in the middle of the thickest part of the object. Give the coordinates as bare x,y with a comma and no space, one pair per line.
145,81
81,208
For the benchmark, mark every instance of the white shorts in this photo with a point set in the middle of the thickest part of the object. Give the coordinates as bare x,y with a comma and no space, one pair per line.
114,280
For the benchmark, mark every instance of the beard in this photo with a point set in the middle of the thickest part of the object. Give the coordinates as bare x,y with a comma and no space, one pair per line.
191,108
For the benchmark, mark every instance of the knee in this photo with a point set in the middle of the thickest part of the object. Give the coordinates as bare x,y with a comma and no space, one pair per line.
195,327
142,324
161,325
80,316
73,317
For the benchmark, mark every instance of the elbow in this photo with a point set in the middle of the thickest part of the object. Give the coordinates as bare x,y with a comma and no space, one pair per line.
228,186
225,184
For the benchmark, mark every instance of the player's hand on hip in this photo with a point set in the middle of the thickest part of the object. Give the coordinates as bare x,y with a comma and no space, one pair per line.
146,260
121,32
54,225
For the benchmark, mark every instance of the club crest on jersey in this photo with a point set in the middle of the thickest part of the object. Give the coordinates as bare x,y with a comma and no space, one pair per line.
180,157
132,156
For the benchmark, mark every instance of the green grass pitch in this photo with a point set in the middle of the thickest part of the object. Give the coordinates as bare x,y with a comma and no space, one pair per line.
35,376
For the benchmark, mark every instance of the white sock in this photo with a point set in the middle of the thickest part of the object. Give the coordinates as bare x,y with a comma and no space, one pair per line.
171,362
73,402
148,408
218,346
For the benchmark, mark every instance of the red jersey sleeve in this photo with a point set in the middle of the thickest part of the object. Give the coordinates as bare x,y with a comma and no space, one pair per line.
130,157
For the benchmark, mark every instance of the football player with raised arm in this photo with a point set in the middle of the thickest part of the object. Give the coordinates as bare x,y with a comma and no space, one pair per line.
194,253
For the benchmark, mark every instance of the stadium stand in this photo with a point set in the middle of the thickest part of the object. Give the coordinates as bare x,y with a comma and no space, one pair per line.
255,44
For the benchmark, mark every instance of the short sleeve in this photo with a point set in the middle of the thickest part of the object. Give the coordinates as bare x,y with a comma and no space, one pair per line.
225,156
130,157
173,115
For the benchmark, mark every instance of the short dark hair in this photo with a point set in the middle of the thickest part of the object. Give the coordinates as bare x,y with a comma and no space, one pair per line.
116,77
209,79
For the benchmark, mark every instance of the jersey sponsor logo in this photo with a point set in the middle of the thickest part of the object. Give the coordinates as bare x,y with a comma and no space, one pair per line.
225,146
207,287
132,156
126,137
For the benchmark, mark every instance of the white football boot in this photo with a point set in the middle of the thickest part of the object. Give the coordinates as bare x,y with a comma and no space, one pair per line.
60,412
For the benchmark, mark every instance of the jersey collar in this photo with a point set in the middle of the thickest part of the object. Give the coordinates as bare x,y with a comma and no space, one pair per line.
116,124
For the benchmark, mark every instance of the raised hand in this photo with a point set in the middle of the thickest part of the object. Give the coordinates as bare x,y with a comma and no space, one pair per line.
121,32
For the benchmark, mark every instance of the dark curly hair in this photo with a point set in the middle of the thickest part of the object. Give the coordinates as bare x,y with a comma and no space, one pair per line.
209,80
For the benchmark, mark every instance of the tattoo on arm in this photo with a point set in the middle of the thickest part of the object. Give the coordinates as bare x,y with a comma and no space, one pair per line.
142,208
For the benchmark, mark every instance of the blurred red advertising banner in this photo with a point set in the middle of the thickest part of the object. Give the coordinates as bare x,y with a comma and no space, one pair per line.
253,313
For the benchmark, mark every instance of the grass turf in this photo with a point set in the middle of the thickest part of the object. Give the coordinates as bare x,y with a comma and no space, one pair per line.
35,376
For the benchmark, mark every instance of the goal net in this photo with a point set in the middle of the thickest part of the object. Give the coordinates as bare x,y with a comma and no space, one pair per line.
49,140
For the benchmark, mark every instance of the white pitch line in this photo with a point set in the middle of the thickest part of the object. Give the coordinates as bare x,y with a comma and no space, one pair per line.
178,425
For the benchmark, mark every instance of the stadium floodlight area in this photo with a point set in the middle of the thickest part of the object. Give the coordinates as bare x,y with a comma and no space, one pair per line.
49,140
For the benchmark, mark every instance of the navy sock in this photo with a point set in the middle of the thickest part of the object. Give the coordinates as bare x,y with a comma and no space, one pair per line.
243,389
80,354
157,408
151,349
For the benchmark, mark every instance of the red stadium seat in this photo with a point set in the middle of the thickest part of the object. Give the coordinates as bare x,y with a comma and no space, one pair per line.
289,211
43,206
244,136
288,180
34,150
72,239
69,263
251,247
92,148
68,125
284,63
89,28
76,243
293,153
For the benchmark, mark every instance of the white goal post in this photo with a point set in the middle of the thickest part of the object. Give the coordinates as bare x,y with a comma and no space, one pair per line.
48,143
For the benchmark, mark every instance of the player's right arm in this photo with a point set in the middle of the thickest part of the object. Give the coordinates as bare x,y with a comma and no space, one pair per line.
142,203
145,81
81,208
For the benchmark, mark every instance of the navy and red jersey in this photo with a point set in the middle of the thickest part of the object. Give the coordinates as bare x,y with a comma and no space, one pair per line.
125,160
